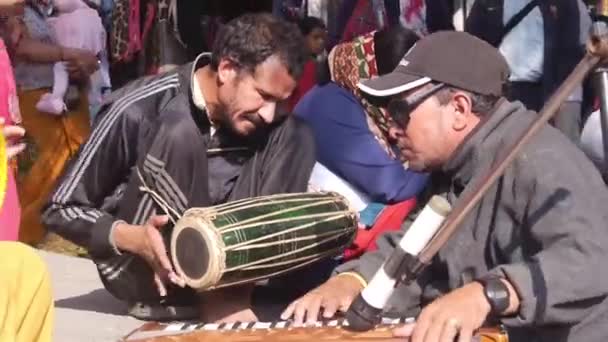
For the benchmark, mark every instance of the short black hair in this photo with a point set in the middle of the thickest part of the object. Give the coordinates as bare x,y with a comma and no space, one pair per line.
252,38
308,24
390,45
481,104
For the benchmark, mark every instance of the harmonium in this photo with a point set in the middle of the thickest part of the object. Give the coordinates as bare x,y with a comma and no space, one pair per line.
330,330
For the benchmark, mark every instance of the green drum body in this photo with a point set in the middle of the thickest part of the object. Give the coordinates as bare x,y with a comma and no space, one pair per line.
257,238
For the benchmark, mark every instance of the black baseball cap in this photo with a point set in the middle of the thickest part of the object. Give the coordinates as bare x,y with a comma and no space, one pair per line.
454,58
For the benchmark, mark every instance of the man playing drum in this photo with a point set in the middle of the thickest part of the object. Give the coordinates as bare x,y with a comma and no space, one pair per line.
206,133
531,255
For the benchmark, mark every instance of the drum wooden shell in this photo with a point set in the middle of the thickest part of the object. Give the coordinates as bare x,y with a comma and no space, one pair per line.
257,238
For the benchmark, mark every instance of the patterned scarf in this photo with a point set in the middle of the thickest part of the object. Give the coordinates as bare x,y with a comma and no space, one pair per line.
348,64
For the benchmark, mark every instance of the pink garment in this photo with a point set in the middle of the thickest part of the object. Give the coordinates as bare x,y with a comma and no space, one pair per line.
78,26
10,211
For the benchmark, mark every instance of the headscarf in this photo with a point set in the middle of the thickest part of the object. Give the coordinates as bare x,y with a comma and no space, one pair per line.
348,64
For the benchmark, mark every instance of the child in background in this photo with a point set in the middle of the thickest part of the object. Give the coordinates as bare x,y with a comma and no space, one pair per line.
77,26
314,31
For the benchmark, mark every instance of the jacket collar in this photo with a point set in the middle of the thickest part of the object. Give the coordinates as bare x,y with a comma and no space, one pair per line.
186,76
479,150
201,60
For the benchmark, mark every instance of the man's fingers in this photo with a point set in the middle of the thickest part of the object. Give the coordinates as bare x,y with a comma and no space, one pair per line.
432,333
314,307
404,331
158,245
158,221
345,303
177,280
330,306
300,311
162,290
423,323
466,334
287,313
450,330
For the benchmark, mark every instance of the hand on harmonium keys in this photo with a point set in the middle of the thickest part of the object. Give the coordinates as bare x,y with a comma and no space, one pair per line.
453,317
333,296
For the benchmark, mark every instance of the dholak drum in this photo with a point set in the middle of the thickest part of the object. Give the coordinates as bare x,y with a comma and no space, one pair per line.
257,238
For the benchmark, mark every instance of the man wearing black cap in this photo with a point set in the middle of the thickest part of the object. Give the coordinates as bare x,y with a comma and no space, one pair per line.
528,255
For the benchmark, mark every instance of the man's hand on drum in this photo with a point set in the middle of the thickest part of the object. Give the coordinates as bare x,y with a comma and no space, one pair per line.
147,242
334,295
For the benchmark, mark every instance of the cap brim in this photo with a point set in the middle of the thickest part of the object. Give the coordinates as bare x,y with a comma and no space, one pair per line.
392,84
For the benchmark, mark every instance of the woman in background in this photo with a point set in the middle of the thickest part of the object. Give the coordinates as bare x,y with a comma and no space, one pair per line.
351,133
26,302
51,140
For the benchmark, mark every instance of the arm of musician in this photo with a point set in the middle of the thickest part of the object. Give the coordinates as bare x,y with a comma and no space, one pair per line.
406,300
349,279
80,207
367,265
370,262
563,224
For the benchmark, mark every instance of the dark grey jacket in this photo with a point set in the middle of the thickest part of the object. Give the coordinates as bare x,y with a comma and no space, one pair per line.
544,226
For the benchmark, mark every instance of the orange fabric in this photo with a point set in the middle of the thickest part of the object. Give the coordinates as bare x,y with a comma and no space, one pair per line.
390,219
51,142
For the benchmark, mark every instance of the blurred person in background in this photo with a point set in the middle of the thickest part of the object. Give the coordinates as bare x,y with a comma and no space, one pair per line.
315,34
51,140
351,133
26,303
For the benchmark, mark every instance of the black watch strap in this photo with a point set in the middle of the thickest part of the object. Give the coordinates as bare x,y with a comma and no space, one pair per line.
496,293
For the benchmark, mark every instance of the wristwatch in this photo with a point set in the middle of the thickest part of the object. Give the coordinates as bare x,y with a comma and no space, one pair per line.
496,293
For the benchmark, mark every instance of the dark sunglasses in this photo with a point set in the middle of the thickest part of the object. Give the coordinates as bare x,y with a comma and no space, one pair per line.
400,109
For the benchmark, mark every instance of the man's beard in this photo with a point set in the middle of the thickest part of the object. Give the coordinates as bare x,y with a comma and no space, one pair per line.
259,133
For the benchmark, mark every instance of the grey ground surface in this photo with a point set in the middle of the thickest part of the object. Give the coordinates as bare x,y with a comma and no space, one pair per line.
84,310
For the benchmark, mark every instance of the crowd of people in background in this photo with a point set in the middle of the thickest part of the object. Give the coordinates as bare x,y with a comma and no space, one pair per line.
540,47
68,84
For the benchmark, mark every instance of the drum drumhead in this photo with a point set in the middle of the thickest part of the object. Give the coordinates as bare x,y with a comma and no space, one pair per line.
197,251
192,254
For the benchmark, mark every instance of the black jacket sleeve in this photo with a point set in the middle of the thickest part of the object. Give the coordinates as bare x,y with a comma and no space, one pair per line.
82,205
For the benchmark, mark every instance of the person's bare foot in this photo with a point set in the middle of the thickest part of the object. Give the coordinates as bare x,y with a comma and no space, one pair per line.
227,305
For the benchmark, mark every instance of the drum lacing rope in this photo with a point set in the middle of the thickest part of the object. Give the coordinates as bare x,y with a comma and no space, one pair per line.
158,199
